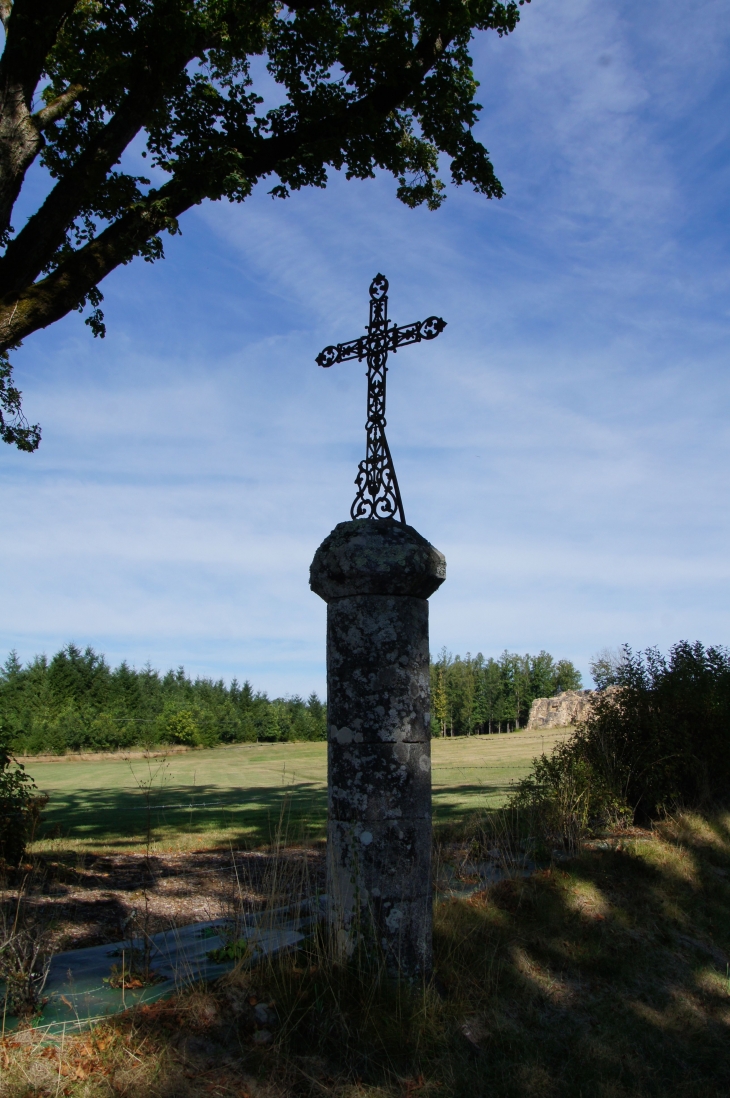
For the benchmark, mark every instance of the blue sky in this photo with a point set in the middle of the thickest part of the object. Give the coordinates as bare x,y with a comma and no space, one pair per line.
565,442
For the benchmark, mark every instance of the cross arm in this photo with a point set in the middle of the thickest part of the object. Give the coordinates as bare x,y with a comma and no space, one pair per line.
356,348
394,338
414,333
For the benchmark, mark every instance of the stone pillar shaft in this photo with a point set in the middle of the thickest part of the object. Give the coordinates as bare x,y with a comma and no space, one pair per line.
376,576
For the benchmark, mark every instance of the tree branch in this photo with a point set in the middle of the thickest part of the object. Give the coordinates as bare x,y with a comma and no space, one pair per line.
58,107
23,311
34,247
32,28
52,297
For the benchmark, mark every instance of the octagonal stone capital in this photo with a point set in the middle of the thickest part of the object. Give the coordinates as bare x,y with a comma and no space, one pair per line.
376,557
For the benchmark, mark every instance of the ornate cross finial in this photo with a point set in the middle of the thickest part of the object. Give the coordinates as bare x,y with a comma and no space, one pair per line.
378,495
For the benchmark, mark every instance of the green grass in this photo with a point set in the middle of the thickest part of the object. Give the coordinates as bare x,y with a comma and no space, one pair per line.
602,977
237,795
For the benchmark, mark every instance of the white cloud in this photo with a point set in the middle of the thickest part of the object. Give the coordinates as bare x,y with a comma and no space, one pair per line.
565,441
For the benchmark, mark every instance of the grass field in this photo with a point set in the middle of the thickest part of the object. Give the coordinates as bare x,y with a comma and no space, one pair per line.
602,976
237,795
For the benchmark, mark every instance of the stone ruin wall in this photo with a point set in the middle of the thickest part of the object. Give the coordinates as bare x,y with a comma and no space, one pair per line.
570,707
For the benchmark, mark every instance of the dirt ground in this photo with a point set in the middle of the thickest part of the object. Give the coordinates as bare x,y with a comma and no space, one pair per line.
94,899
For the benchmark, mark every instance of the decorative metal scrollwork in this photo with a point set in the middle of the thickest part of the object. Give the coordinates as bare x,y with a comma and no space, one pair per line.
378,287
327,357
378,495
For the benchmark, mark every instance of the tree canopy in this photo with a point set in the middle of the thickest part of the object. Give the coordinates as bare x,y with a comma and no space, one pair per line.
387,85
77,702
475,695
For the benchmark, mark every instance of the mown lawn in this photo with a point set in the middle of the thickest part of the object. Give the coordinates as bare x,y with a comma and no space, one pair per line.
238,795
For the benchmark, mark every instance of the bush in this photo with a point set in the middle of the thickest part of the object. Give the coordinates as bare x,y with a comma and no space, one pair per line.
565,798
661,739
658,740
20,808
180,727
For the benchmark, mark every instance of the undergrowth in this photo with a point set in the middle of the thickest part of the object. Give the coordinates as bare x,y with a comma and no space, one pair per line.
656,739
21,804
602,975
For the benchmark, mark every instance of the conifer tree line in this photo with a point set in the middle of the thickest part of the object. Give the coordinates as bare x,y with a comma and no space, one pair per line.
76,702
474,695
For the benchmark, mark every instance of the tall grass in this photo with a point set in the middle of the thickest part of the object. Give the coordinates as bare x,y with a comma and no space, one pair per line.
604,974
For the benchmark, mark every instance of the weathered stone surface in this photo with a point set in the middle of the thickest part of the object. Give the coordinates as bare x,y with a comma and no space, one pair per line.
377,669
380,781
380,876
567,708
375,576
376,557
390,856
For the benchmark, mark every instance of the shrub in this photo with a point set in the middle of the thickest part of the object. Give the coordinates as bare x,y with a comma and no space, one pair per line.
565,798
180,727
656,741
20,808
662,738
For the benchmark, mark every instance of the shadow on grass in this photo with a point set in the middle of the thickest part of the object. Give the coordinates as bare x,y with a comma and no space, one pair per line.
608,976
453,804
120,817
250,815
605,977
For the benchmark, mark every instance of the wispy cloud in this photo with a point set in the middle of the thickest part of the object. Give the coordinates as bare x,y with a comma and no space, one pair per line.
565,441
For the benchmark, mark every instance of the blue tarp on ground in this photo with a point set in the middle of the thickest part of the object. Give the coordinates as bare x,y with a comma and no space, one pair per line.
76,994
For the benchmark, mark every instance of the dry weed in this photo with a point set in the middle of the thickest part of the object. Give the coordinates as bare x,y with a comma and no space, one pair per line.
605,975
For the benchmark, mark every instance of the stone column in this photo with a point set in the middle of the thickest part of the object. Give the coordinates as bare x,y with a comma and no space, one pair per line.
375,576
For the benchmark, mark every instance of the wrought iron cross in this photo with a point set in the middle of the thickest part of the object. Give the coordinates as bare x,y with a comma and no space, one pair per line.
378,495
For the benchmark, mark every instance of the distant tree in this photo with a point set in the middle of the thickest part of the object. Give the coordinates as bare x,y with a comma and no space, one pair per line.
11,683
439,699
607,666
78,676
542,675
75,701
381,86
318,717
512,692
479,704
180,727
491,689
567,677
463,693
522,688
473,694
